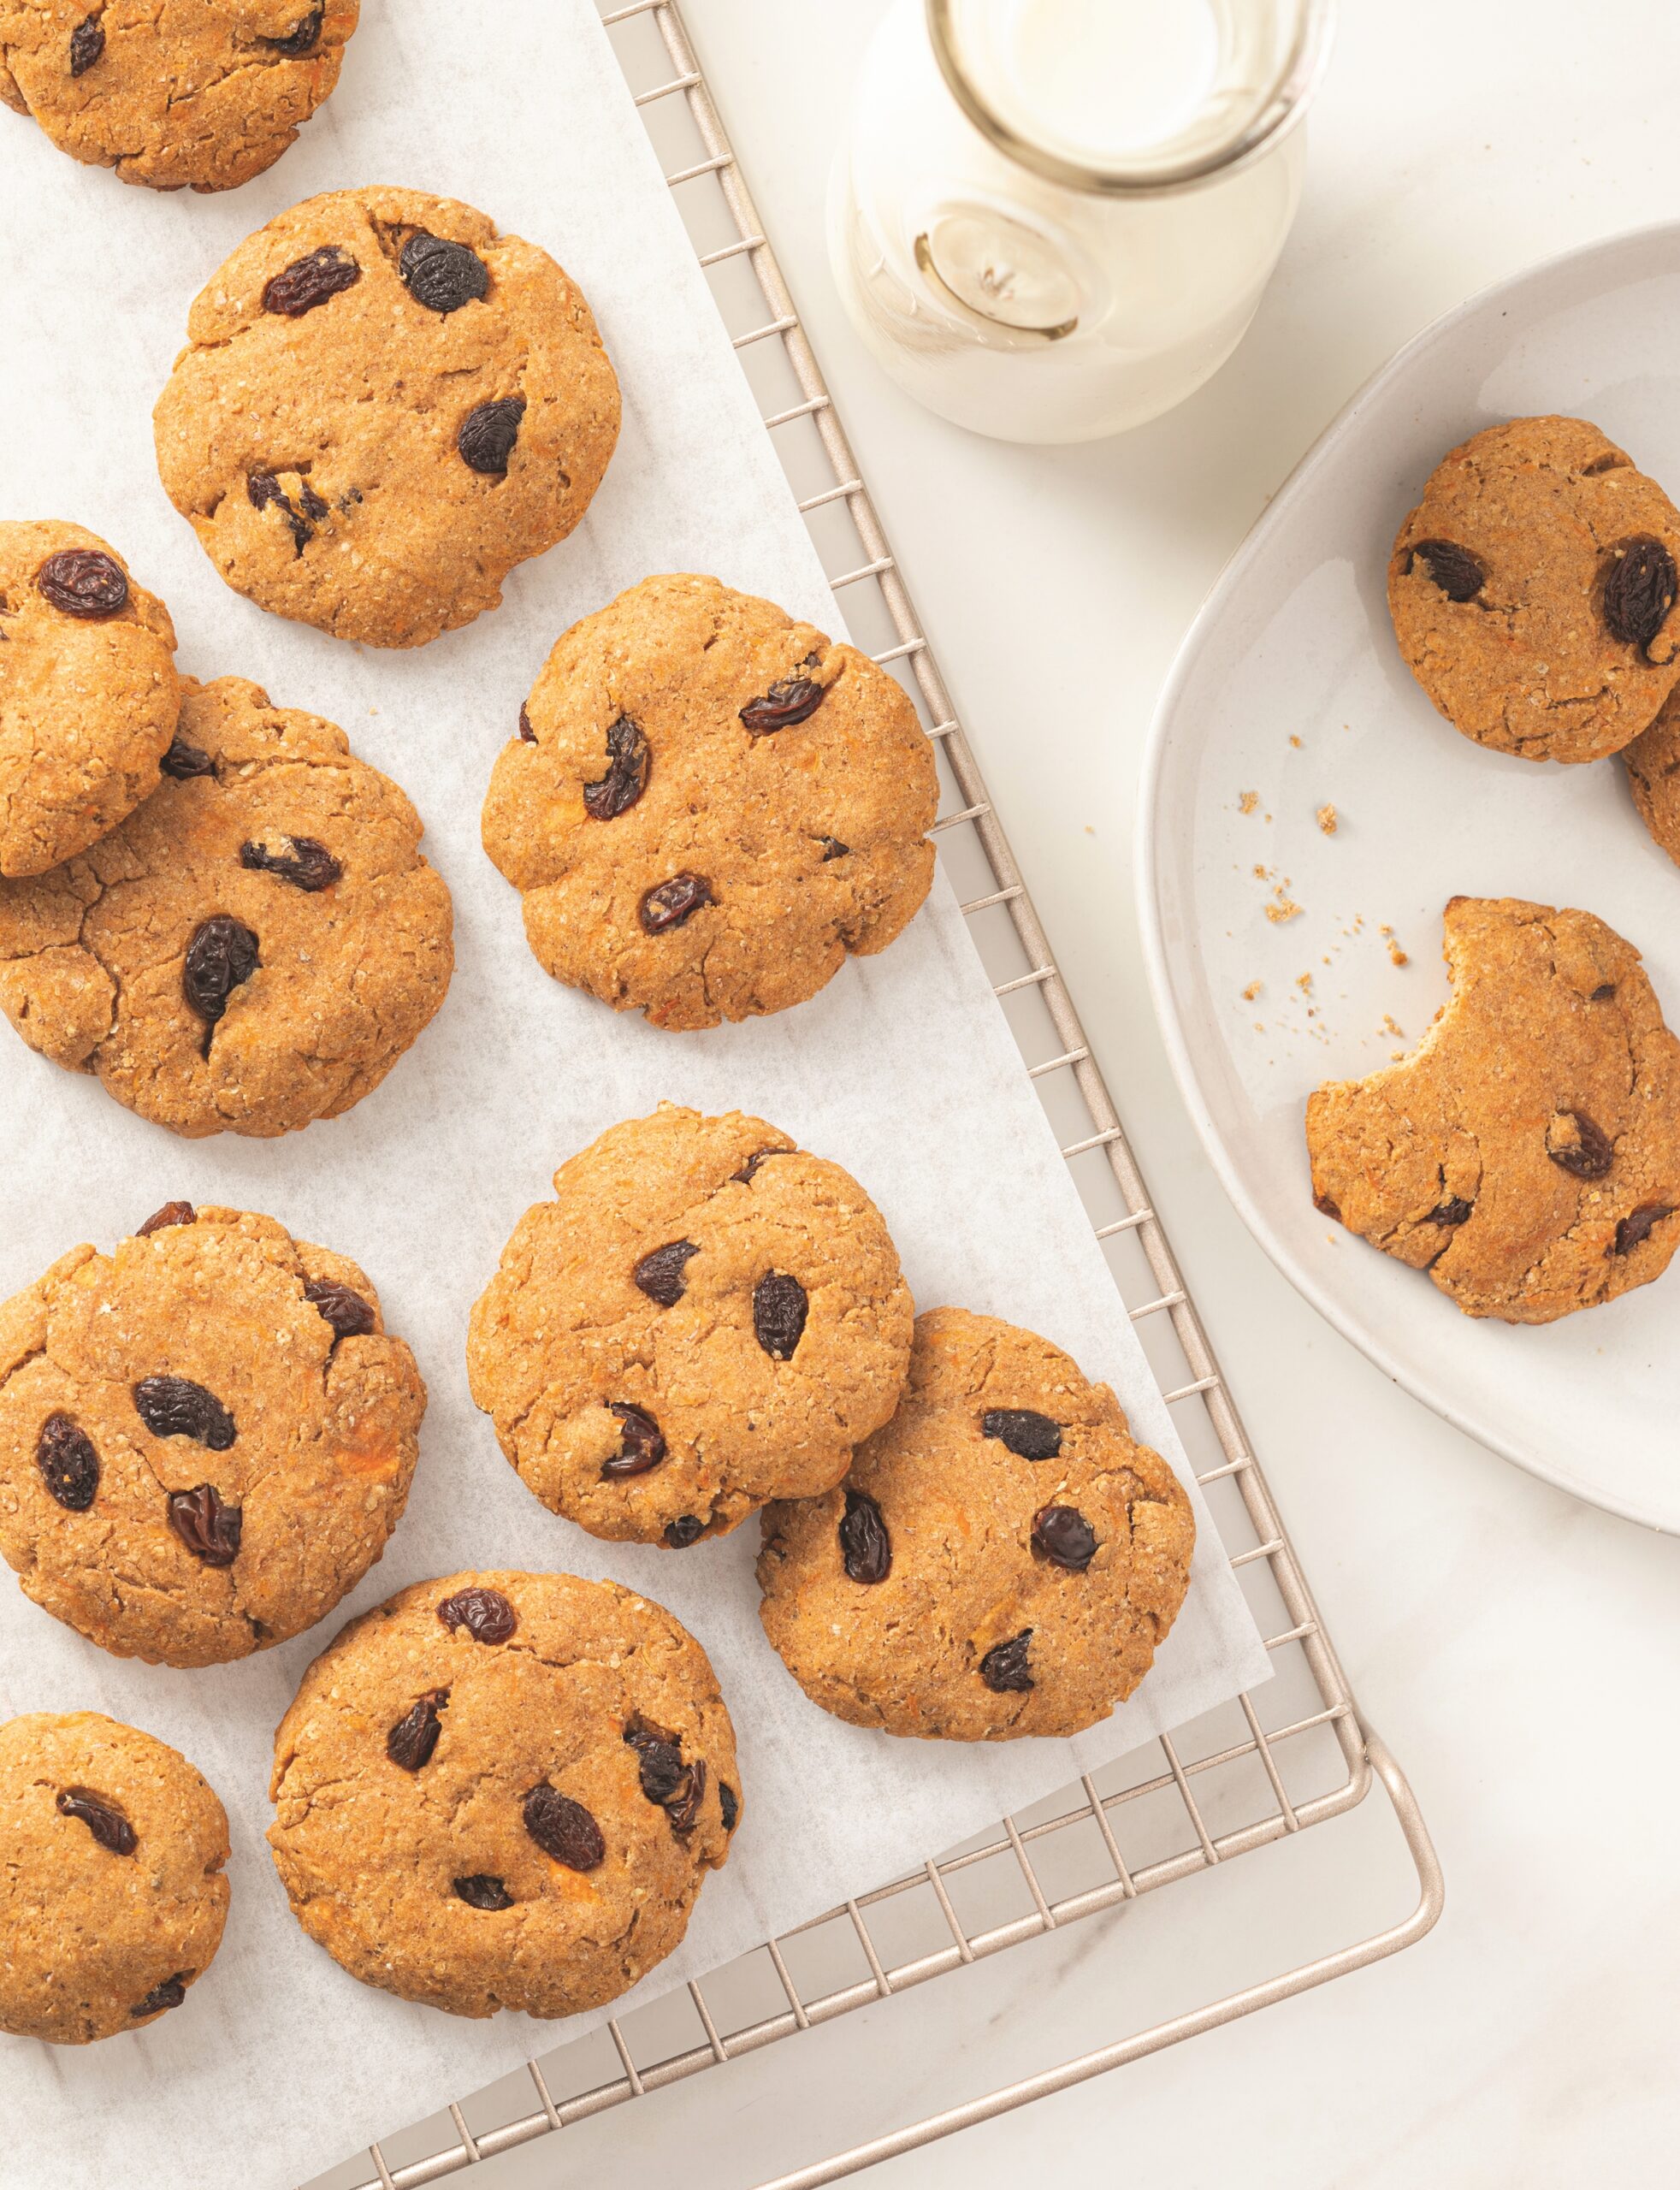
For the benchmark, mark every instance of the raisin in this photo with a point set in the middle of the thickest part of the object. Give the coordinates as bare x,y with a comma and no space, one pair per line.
628,762
222,955
779,1309
1327,1207
440,274
1589,1154
170,1994
748,1171
304,36
1063,1535
210,1530
674,901
106,1823
486,1614
1003,1668
1635,1229
307,282
525,729
1029,1436
833,848
87,43
313,504
481,1891
730,1804
173,1212
174,1406
81,582
183,760
659,1761
865,1545
68,1463
687,1529
488,432
641,1446
307,865
1460,575
1603,993
790,699
262,488
683,1807
411,1742
660,1273
1458,1210
563,1829
1639,590
350,1316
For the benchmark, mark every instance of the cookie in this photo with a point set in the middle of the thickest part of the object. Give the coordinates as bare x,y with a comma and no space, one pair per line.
1527,1154
383,406
1532,591
112,1894
254,947
1652,763
170,92
504,1790
205,1438
88,692
708,805
1004,1558
704,1317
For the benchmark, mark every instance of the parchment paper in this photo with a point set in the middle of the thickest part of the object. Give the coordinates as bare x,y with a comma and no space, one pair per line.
903,1069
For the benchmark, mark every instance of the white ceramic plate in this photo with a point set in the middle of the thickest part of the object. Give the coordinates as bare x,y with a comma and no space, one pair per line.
1295,644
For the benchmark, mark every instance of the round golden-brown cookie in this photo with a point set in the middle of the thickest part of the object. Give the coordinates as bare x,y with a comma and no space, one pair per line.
1527,1154
504,1790
704,1317
1004,1558
170,92
708,805
112,1896
383,406
205,1438
88,692
1652,763
254,947
1532,591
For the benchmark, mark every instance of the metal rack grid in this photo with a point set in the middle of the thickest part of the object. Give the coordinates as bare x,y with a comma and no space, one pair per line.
1297,1754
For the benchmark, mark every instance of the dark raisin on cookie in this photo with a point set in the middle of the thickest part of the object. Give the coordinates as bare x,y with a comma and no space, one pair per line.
304,861
304,36
1579,1146
70,1466
564,1829
184,761
1635,1228
1028,1434
174,1406
170,1994
440,274
102,1820
660,1273
263,490
1639,584
221,957
780,1307
670,903
210,1530
1452,1213
1063,1535
480,1890
628,762
162,1219
1459,574
84,583
641,1443
411,1742
310,281
486,1614
87,43
1004,1668
865,1547
488,434
346,1311
686,1530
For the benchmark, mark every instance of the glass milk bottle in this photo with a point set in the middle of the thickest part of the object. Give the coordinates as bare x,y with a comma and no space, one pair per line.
1053,219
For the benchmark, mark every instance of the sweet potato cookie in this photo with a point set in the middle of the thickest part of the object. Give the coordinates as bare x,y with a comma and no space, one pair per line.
1652,763
708,805
384,405
170,92
112,1895
205,1438
1532,591
504,1790
704,1317
1004,1558
1527,1155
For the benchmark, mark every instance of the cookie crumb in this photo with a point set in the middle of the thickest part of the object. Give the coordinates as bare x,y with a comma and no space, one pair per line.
1247,801
1396,955
1326,818
1282,907
1304,982
1252,991
1295,741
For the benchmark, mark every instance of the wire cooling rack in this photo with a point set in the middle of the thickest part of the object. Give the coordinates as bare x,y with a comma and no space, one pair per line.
1275,1766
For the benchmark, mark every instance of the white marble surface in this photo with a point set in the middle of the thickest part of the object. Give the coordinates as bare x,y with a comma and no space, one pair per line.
1519,1652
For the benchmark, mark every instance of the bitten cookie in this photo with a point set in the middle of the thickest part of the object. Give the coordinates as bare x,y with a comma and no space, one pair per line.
88,692
704,1317
708,805
112,1896
1004,1558
170,92
1652,763
383,406
205,1438
1532,591
254,947
504,1790
1527,1154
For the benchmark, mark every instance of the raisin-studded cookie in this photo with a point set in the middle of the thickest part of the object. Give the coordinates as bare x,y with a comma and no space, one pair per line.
254,947
205,1438
170,92
383,406
708,805
1004,1558
1527,1155
504,1790
112,1896
1652,763
88,692
704,1317
1532,591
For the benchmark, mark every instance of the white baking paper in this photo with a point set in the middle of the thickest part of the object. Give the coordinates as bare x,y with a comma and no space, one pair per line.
902,1070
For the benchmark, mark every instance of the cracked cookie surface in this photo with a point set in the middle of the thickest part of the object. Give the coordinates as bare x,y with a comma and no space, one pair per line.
710,805
128,960
1004,1558
1532,591
172,92
112,1892
504,1790
384,405
1652,763
1527,1154
205,1438
704,1317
